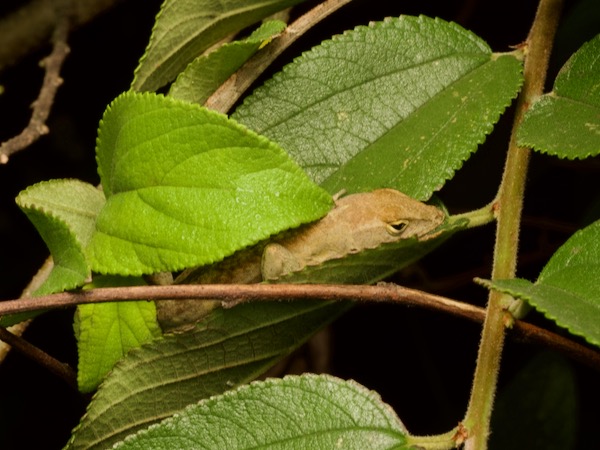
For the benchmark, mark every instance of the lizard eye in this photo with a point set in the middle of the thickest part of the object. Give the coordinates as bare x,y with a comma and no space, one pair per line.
397,228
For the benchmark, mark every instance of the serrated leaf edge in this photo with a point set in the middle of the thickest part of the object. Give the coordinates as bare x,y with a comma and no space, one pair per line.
30,206
347,35
369,394
554,152
489,284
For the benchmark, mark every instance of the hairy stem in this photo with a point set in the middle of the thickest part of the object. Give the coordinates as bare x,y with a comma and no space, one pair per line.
509,204
477,217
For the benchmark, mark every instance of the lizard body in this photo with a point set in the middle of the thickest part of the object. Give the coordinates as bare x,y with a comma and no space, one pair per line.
357,222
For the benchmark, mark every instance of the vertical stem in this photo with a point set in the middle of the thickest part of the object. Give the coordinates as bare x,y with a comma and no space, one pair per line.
509,204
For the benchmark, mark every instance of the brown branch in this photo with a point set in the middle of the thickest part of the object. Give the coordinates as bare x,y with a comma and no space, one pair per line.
63,371
234,294
42,105
229,92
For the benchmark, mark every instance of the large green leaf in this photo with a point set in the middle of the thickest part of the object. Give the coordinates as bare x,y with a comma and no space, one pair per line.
401,104
296,412
64,213
185,28
568,289
186,186
206,73
105,332
231,347
566,122
538,409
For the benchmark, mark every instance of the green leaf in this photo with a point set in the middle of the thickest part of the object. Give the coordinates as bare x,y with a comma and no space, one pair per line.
206,73
107,331
64,213
185,28
566,122
568,290
296,412
13,319
186,186
231,347
537,410
401,104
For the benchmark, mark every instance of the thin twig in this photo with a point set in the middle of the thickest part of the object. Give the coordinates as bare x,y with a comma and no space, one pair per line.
42,105
233,294
62,370
231,90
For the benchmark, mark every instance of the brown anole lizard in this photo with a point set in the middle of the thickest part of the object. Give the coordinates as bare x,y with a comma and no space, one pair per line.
357,222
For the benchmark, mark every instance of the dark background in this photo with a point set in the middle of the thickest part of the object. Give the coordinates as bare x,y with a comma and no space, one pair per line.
420,362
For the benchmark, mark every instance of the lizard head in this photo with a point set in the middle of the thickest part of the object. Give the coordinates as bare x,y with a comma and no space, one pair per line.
403,216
